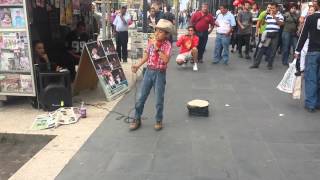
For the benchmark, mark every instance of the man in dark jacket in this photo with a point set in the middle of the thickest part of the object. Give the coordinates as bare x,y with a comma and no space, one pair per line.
311,28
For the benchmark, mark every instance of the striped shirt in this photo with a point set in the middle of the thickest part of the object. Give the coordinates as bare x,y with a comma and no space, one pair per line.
271,22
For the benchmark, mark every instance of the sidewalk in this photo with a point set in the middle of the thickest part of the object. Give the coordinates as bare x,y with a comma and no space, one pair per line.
17,117
254,131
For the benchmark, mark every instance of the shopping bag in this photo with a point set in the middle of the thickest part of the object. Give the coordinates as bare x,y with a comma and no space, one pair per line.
287,83
297,88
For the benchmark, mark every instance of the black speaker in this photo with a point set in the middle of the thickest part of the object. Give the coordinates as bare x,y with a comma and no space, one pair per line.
54,90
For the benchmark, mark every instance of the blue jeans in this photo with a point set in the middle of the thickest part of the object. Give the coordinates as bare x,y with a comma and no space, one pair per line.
312,80
221,50
156,79
288,41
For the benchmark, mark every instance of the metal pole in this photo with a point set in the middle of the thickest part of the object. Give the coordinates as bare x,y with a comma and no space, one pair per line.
177,8
109,17
145,18
103,9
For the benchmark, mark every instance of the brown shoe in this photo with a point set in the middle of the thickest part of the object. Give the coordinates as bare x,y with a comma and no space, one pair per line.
158,126
135,124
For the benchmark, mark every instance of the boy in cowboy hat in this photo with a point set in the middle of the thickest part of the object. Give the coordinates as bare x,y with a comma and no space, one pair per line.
157,56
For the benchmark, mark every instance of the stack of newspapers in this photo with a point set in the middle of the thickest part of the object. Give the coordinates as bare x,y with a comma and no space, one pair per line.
62,116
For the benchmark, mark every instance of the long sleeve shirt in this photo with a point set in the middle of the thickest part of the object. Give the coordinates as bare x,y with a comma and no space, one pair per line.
310,29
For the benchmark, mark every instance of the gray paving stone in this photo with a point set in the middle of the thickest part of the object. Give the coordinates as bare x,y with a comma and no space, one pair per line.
254,161
246,140
172,163
130,163
297,170
86,165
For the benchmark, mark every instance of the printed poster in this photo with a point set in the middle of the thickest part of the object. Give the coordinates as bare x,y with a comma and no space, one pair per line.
108,68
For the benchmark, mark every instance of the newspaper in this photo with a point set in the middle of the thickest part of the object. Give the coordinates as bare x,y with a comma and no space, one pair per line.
62,116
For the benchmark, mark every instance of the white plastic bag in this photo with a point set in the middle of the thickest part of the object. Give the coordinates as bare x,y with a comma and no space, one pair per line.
287,83
297,88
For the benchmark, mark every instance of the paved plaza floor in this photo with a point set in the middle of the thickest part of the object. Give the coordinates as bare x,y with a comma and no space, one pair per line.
254,131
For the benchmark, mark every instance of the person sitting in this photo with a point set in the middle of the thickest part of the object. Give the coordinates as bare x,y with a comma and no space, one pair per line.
188,48
75,42
41,58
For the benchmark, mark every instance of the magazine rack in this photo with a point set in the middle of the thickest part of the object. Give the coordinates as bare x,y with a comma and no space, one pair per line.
16,70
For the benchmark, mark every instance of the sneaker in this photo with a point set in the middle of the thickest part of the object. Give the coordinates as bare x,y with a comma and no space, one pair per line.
184,65
200,61
158,126
270,67
195,67
240,56
248,57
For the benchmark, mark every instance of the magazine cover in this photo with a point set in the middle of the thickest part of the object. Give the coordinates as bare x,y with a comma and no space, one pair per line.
5,18
76,6
114,61
11,83
95,50
18,18
108,46
25,64
119,76
26,83
11,2
7,61
9,40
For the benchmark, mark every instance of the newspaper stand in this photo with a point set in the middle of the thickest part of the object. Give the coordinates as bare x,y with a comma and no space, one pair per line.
16,70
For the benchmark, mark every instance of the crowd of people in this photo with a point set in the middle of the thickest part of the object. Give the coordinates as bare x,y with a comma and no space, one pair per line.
286,30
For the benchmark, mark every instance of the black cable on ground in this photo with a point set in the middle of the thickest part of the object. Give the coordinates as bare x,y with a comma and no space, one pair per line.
126,117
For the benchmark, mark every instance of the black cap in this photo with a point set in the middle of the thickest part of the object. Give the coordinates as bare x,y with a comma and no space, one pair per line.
124,7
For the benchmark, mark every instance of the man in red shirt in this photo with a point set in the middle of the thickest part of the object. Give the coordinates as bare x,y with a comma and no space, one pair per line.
203,21
188,48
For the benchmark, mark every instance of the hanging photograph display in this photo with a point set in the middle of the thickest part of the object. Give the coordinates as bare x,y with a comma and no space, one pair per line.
108,68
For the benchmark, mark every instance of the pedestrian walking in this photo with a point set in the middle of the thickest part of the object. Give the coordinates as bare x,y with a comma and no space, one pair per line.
244,21
289,34
121,23
234,36
261,27
203,21
270,43
311,29
304,50
225,23
157,56
188,48
255,14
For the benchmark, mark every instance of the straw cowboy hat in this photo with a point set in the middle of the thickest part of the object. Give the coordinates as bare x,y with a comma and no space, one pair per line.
165,25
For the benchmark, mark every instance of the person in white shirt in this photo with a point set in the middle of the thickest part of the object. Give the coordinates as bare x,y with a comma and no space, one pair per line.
121,23
225,22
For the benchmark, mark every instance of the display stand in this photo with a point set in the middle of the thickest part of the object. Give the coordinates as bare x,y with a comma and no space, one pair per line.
86,77
99,61
16,70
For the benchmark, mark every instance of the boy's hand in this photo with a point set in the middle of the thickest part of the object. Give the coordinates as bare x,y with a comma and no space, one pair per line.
134,68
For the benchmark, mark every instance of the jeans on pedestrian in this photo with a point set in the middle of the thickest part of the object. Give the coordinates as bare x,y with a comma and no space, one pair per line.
312,80
244,39
270,51
122,45
203,39
288,40
221,50
257,47
157,80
